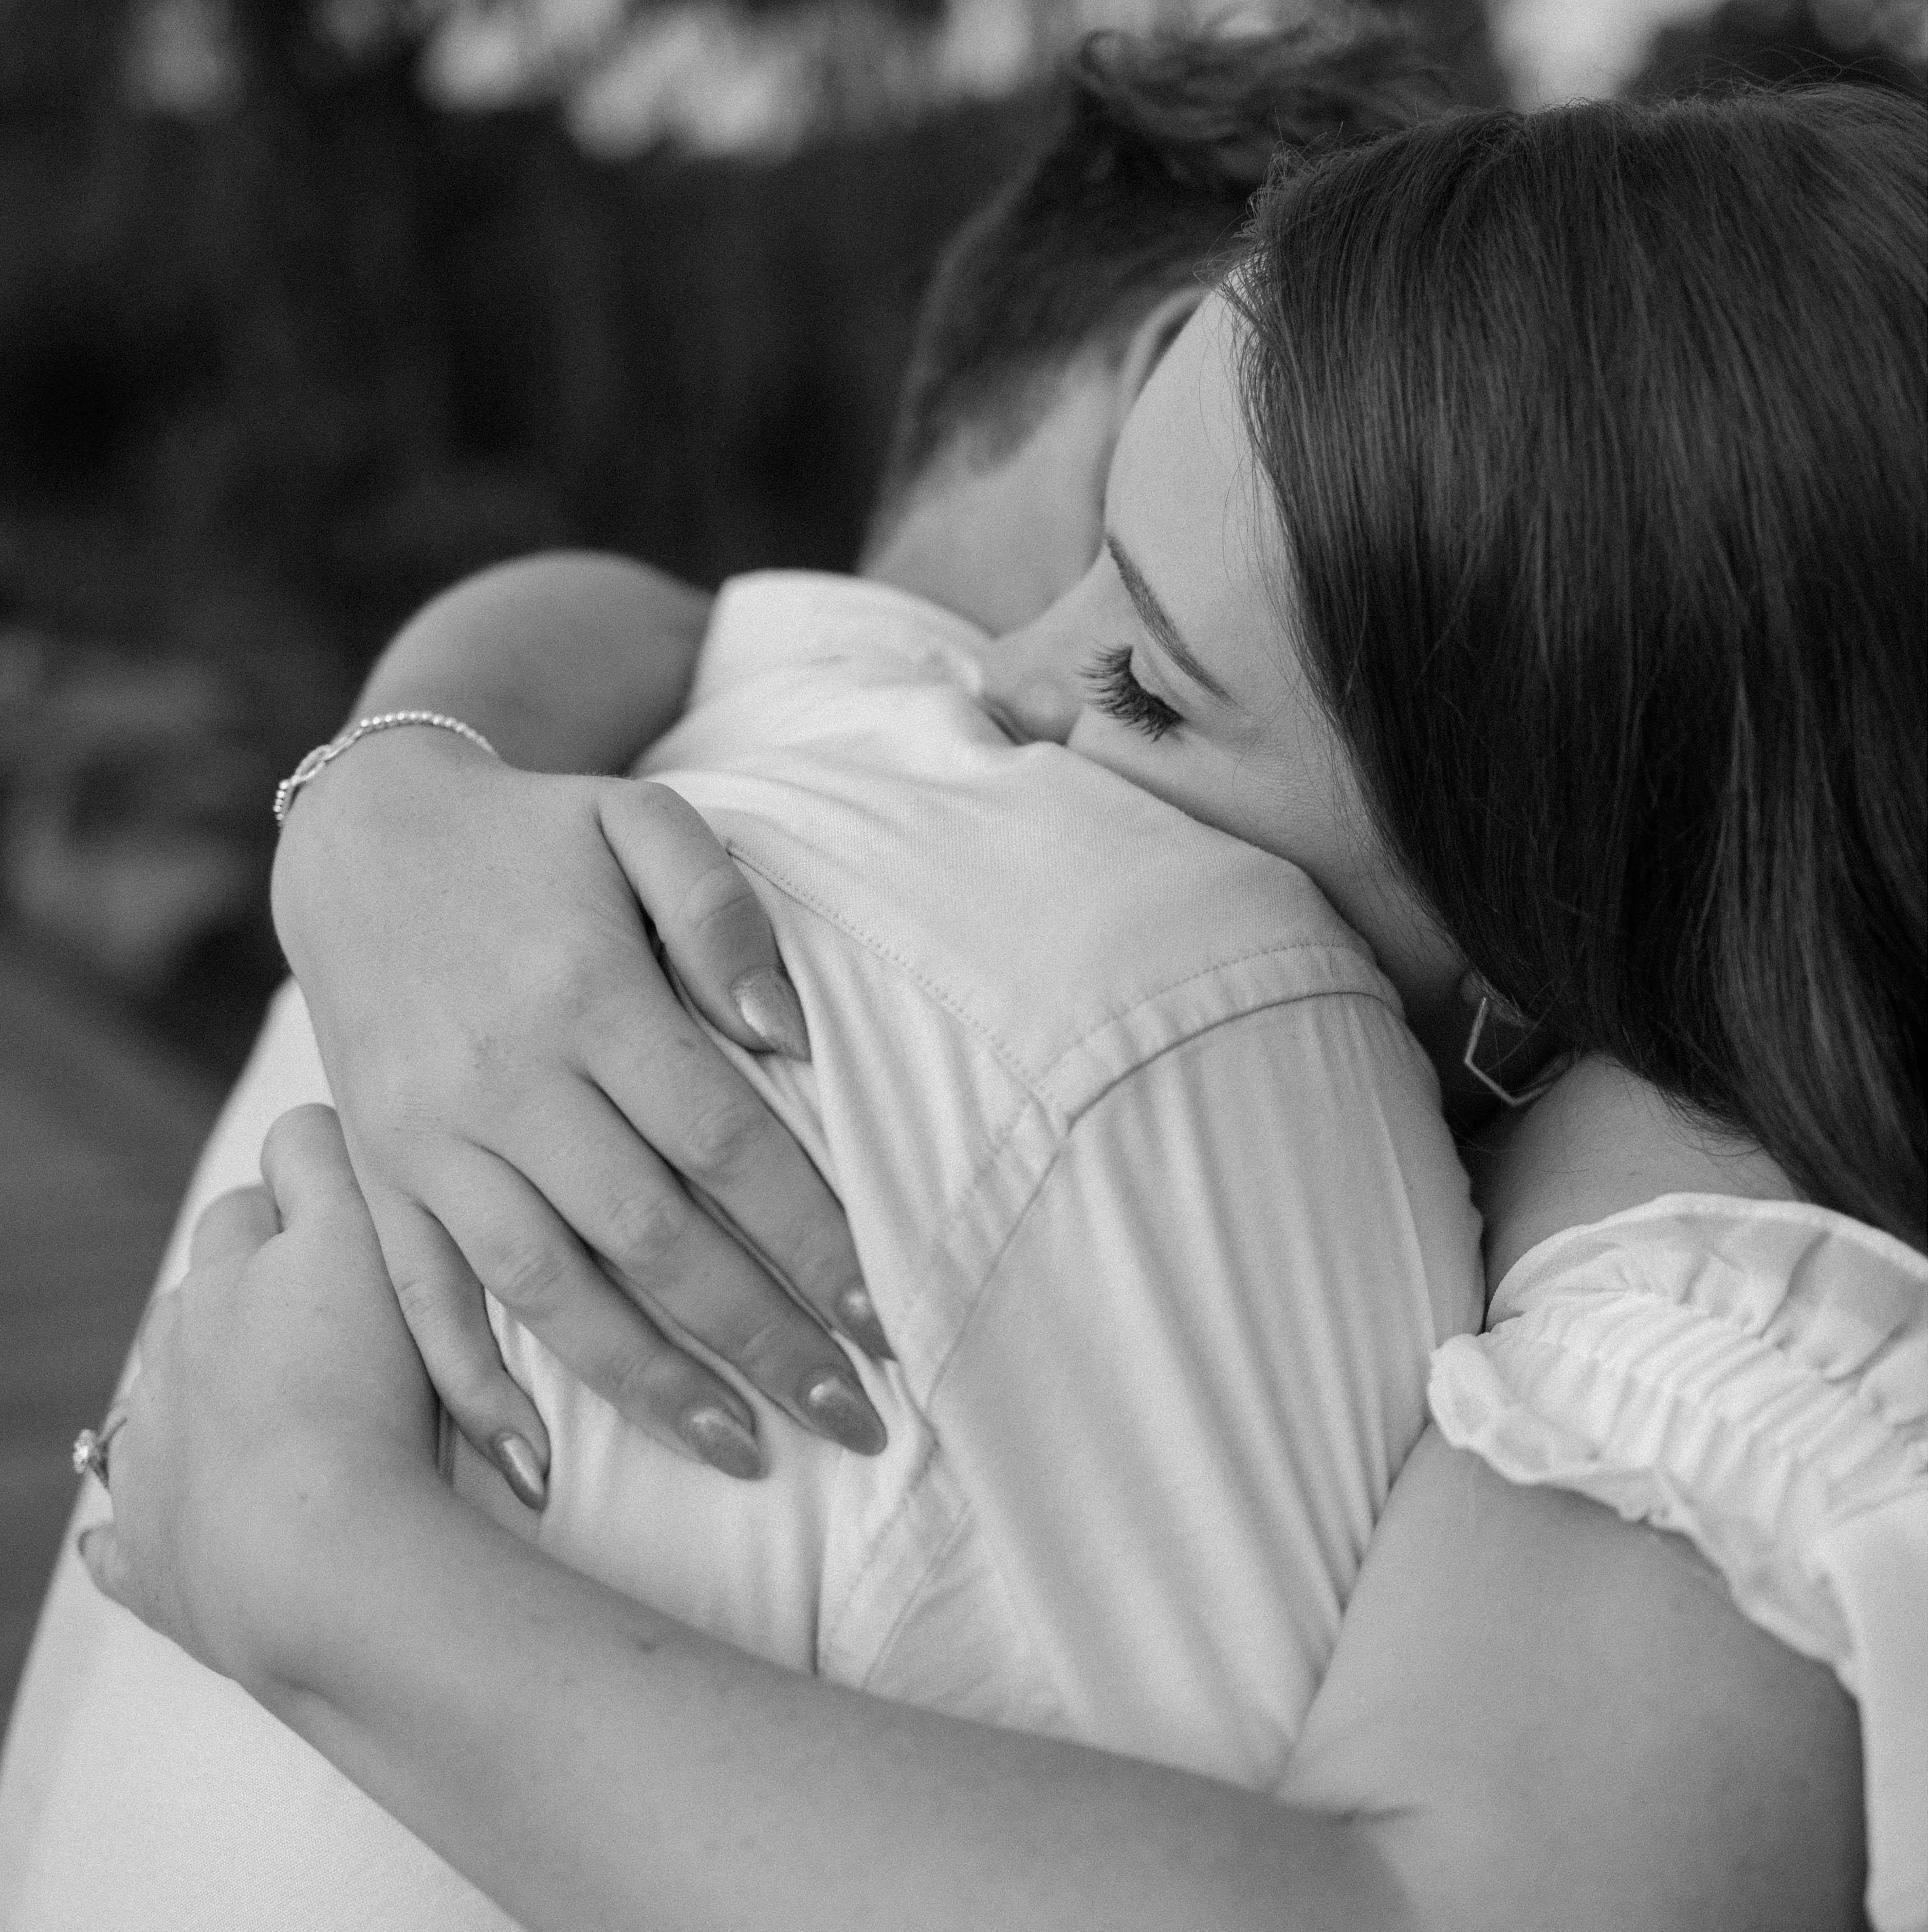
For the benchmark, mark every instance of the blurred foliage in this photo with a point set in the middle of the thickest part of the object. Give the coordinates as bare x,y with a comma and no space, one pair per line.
271,376
1878,42
285,347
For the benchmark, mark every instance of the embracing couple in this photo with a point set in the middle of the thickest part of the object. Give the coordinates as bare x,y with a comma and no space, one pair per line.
1294,1024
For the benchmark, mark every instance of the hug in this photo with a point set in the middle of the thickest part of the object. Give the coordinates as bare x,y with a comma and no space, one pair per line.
1202,1204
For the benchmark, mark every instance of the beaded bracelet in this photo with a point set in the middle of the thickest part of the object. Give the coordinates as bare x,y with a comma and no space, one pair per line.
311,767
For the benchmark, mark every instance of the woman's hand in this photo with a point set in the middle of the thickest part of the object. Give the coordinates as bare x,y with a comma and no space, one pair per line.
518,1083
277,1383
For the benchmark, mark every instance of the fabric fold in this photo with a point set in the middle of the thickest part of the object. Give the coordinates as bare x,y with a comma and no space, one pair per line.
1750,1375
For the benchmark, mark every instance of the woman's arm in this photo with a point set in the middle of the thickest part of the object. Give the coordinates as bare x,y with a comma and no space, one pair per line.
1538,1716
520,1087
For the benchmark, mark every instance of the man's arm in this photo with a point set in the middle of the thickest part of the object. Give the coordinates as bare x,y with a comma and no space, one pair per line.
570,661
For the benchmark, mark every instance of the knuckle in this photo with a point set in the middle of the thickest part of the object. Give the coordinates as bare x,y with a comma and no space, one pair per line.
528,1277
720,1136
434,1308
820,1260
716,901
652,1377
466,1384
564,985
423,1296
643,1227
394,1108
652,802
775,1343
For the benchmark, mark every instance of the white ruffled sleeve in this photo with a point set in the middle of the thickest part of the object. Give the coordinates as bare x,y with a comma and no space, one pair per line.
1751,1374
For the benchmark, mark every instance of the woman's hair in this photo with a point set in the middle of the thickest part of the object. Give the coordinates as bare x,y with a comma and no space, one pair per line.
1598,437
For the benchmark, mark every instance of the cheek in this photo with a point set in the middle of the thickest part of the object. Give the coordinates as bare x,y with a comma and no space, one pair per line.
1251,792
1177,769
1118,747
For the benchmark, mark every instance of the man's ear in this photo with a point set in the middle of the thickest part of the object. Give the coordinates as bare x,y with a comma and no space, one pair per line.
1152,336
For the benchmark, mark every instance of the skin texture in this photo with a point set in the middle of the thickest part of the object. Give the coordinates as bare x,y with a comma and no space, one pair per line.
1537,1714
523,1115
1188,585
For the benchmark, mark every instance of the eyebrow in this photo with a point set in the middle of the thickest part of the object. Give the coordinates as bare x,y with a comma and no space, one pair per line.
1153,614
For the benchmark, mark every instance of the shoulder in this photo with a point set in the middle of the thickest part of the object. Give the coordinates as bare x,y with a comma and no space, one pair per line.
1751,1375
1072,925
1749,1372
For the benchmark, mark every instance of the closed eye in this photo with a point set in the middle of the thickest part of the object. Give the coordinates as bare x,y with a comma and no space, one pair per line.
1120,694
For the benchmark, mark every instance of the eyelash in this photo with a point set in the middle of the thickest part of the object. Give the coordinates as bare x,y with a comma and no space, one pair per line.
1121,695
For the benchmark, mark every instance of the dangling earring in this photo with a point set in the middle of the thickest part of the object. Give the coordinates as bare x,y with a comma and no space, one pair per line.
1486,1003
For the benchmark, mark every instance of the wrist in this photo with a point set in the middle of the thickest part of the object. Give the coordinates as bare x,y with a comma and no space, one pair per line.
362,731
322,1532
386,783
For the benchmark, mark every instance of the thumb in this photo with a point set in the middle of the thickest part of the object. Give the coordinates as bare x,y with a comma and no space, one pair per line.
233,1226
714,930
305,1164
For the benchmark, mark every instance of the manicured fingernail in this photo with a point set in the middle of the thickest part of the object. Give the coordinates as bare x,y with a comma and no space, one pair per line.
724,1442
848,1418
859,1320
521,1470
769,1007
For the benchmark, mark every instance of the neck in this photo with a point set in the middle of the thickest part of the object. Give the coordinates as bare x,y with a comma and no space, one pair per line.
1599,1140
999,543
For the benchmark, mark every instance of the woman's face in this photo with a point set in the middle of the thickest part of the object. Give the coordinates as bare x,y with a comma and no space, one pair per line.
1174,659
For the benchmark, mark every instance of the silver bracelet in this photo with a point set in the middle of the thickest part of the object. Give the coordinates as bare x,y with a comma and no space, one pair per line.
311,767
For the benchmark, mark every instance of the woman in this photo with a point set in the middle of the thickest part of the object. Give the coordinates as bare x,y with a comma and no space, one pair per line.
1602,570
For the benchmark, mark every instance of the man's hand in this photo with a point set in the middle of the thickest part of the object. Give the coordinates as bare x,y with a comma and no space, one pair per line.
520,1090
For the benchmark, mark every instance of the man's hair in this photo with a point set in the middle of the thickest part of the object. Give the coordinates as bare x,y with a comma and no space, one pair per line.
1598,439
1141,184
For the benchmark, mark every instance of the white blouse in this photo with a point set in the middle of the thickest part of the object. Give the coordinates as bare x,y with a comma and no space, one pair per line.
1751,1374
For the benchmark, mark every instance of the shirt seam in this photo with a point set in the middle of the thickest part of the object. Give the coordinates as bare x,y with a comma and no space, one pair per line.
1035,1085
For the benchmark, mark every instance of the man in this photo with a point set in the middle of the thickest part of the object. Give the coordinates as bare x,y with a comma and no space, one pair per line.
1049,313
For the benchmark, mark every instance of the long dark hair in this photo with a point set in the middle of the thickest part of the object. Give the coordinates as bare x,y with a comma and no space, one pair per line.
1598,437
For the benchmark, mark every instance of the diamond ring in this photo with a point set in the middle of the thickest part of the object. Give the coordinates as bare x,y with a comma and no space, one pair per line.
90,1449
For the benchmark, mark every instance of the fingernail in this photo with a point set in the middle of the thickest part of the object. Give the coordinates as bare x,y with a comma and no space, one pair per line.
724,1442
769,1006
859,1320
848,1418
521,1470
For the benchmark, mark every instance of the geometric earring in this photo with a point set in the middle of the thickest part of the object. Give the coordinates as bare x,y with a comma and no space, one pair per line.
1522,1096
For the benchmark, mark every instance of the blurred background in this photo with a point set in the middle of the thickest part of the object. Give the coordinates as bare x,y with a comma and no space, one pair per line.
308,307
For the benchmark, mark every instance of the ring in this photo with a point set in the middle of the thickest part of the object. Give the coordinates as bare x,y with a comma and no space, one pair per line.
90,1450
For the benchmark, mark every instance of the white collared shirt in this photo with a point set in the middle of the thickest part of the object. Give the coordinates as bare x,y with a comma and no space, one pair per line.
1150,1187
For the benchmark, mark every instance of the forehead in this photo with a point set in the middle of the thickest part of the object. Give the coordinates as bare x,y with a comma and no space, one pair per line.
1187,421
1185,495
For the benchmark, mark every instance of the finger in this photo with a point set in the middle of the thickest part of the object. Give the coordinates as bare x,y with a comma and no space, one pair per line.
164,1311
631,1210
682,1096
712,927
233,1226
306,1166
106,1563
531,1262
442,1300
